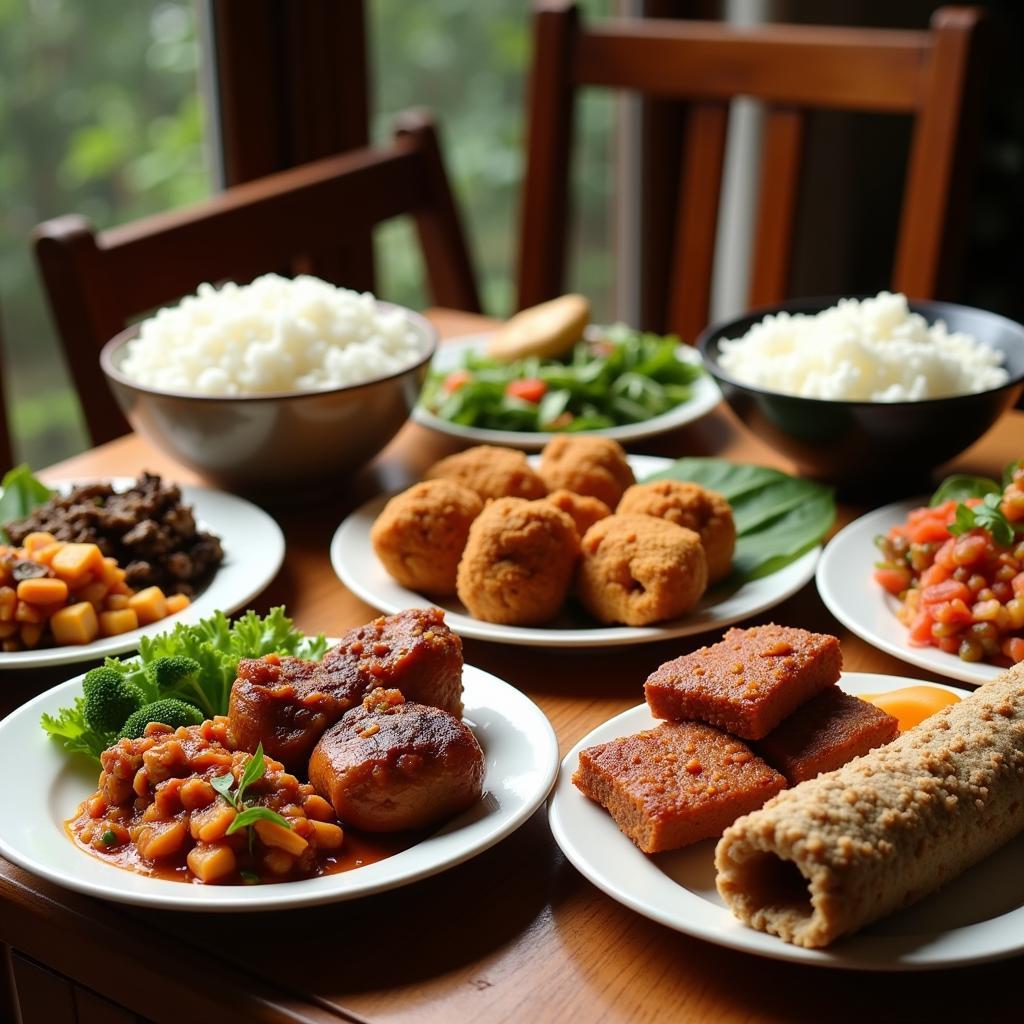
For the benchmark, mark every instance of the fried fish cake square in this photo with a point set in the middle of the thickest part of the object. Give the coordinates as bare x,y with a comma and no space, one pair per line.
748,682
676,784
824,734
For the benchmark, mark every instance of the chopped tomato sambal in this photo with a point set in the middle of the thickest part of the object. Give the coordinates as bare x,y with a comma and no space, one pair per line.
181,804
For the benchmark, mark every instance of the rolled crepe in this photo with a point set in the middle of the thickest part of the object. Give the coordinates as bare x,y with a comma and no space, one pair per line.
846,848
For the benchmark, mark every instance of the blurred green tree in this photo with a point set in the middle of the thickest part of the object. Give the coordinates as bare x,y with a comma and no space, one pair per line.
100,114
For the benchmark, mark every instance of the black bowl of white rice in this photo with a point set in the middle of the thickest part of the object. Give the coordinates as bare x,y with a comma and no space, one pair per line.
867,391
278,383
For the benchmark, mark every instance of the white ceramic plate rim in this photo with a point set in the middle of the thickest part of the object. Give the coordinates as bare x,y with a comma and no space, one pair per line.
706,395
592,842
254,548
357,567
846,585
522,762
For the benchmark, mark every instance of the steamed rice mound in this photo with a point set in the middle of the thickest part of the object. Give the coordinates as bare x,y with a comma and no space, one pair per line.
695,507
519,561
490,471
636,569
421,533
594,466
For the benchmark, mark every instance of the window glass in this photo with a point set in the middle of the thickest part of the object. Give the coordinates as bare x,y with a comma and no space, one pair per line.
468,63
100,114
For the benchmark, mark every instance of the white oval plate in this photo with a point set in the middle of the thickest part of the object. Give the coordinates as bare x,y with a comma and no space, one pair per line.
518,743
253,552
850,593
358,568
449,357
977,917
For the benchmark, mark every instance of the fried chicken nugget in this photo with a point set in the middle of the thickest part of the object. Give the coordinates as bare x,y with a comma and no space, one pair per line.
420,534
694,507
639,569
519,561
583,510
594,466
490,471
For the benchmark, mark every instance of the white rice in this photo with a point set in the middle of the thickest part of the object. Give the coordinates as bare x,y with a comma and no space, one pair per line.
273,335
871,350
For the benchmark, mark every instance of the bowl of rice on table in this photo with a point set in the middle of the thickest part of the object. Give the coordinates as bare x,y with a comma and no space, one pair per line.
281,382
871,391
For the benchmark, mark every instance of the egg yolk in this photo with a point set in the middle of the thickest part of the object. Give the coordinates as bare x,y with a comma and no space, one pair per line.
911,705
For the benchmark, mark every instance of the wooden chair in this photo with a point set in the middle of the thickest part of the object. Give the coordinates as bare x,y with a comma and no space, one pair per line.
931,75
285,222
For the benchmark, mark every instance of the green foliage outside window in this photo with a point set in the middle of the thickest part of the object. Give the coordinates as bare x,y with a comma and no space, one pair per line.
100,114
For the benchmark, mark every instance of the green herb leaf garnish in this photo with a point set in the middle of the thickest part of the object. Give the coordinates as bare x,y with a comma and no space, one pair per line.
961,486
20,494
255,769
986,516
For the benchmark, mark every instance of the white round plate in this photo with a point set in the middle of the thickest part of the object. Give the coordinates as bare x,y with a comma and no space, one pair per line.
979,916
518,743
358,568
847,587
449,357
253,552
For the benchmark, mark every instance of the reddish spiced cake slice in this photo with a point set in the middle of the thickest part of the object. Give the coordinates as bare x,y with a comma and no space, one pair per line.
748,682
824,734
676,784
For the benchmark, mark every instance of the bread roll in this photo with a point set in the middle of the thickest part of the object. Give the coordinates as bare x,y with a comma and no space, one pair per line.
833,854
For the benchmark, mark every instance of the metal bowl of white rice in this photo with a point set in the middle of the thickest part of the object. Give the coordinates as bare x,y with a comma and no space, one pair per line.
280,382
873,391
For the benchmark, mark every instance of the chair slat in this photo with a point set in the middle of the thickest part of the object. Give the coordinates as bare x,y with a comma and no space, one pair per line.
839,68
544,216
777,205
941,154
700,187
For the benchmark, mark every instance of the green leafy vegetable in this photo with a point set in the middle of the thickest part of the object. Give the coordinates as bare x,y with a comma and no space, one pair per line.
20,494
778,517
986,516
1010,469
960,487
255,769
625,376
193,664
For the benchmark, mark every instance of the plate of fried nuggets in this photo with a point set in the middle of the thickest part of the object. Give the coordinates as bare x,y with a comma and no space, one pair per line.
529,550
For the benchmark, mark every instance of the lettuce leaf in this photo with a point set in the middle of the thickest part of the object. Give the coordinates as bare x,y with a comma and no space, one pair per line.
216,644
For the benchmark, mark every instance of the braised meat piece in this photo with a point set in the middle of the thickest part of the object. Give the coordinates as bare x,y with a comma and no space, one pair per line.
413,651
391,765
288,703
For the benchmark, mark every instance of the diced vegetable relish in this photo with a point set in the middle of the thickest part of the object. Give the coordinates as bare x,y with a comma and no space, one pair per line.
961,593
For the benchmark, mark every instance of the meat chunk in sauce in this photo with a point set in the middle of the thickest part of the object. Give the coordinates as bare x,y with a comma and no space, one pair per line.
392,765
287,703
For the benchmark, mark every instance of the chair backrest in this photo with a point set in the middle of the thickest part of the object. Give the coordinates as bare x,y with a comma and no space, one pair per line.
932,75
285,222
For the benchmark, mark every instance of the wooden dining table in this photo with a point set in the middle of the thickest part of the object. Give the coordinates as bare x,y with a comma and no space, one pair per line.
516,934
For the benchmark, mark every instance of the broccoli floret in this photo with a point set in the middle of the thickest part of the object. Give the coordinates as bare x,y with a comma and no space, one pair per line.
170,673
167,712
109,699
